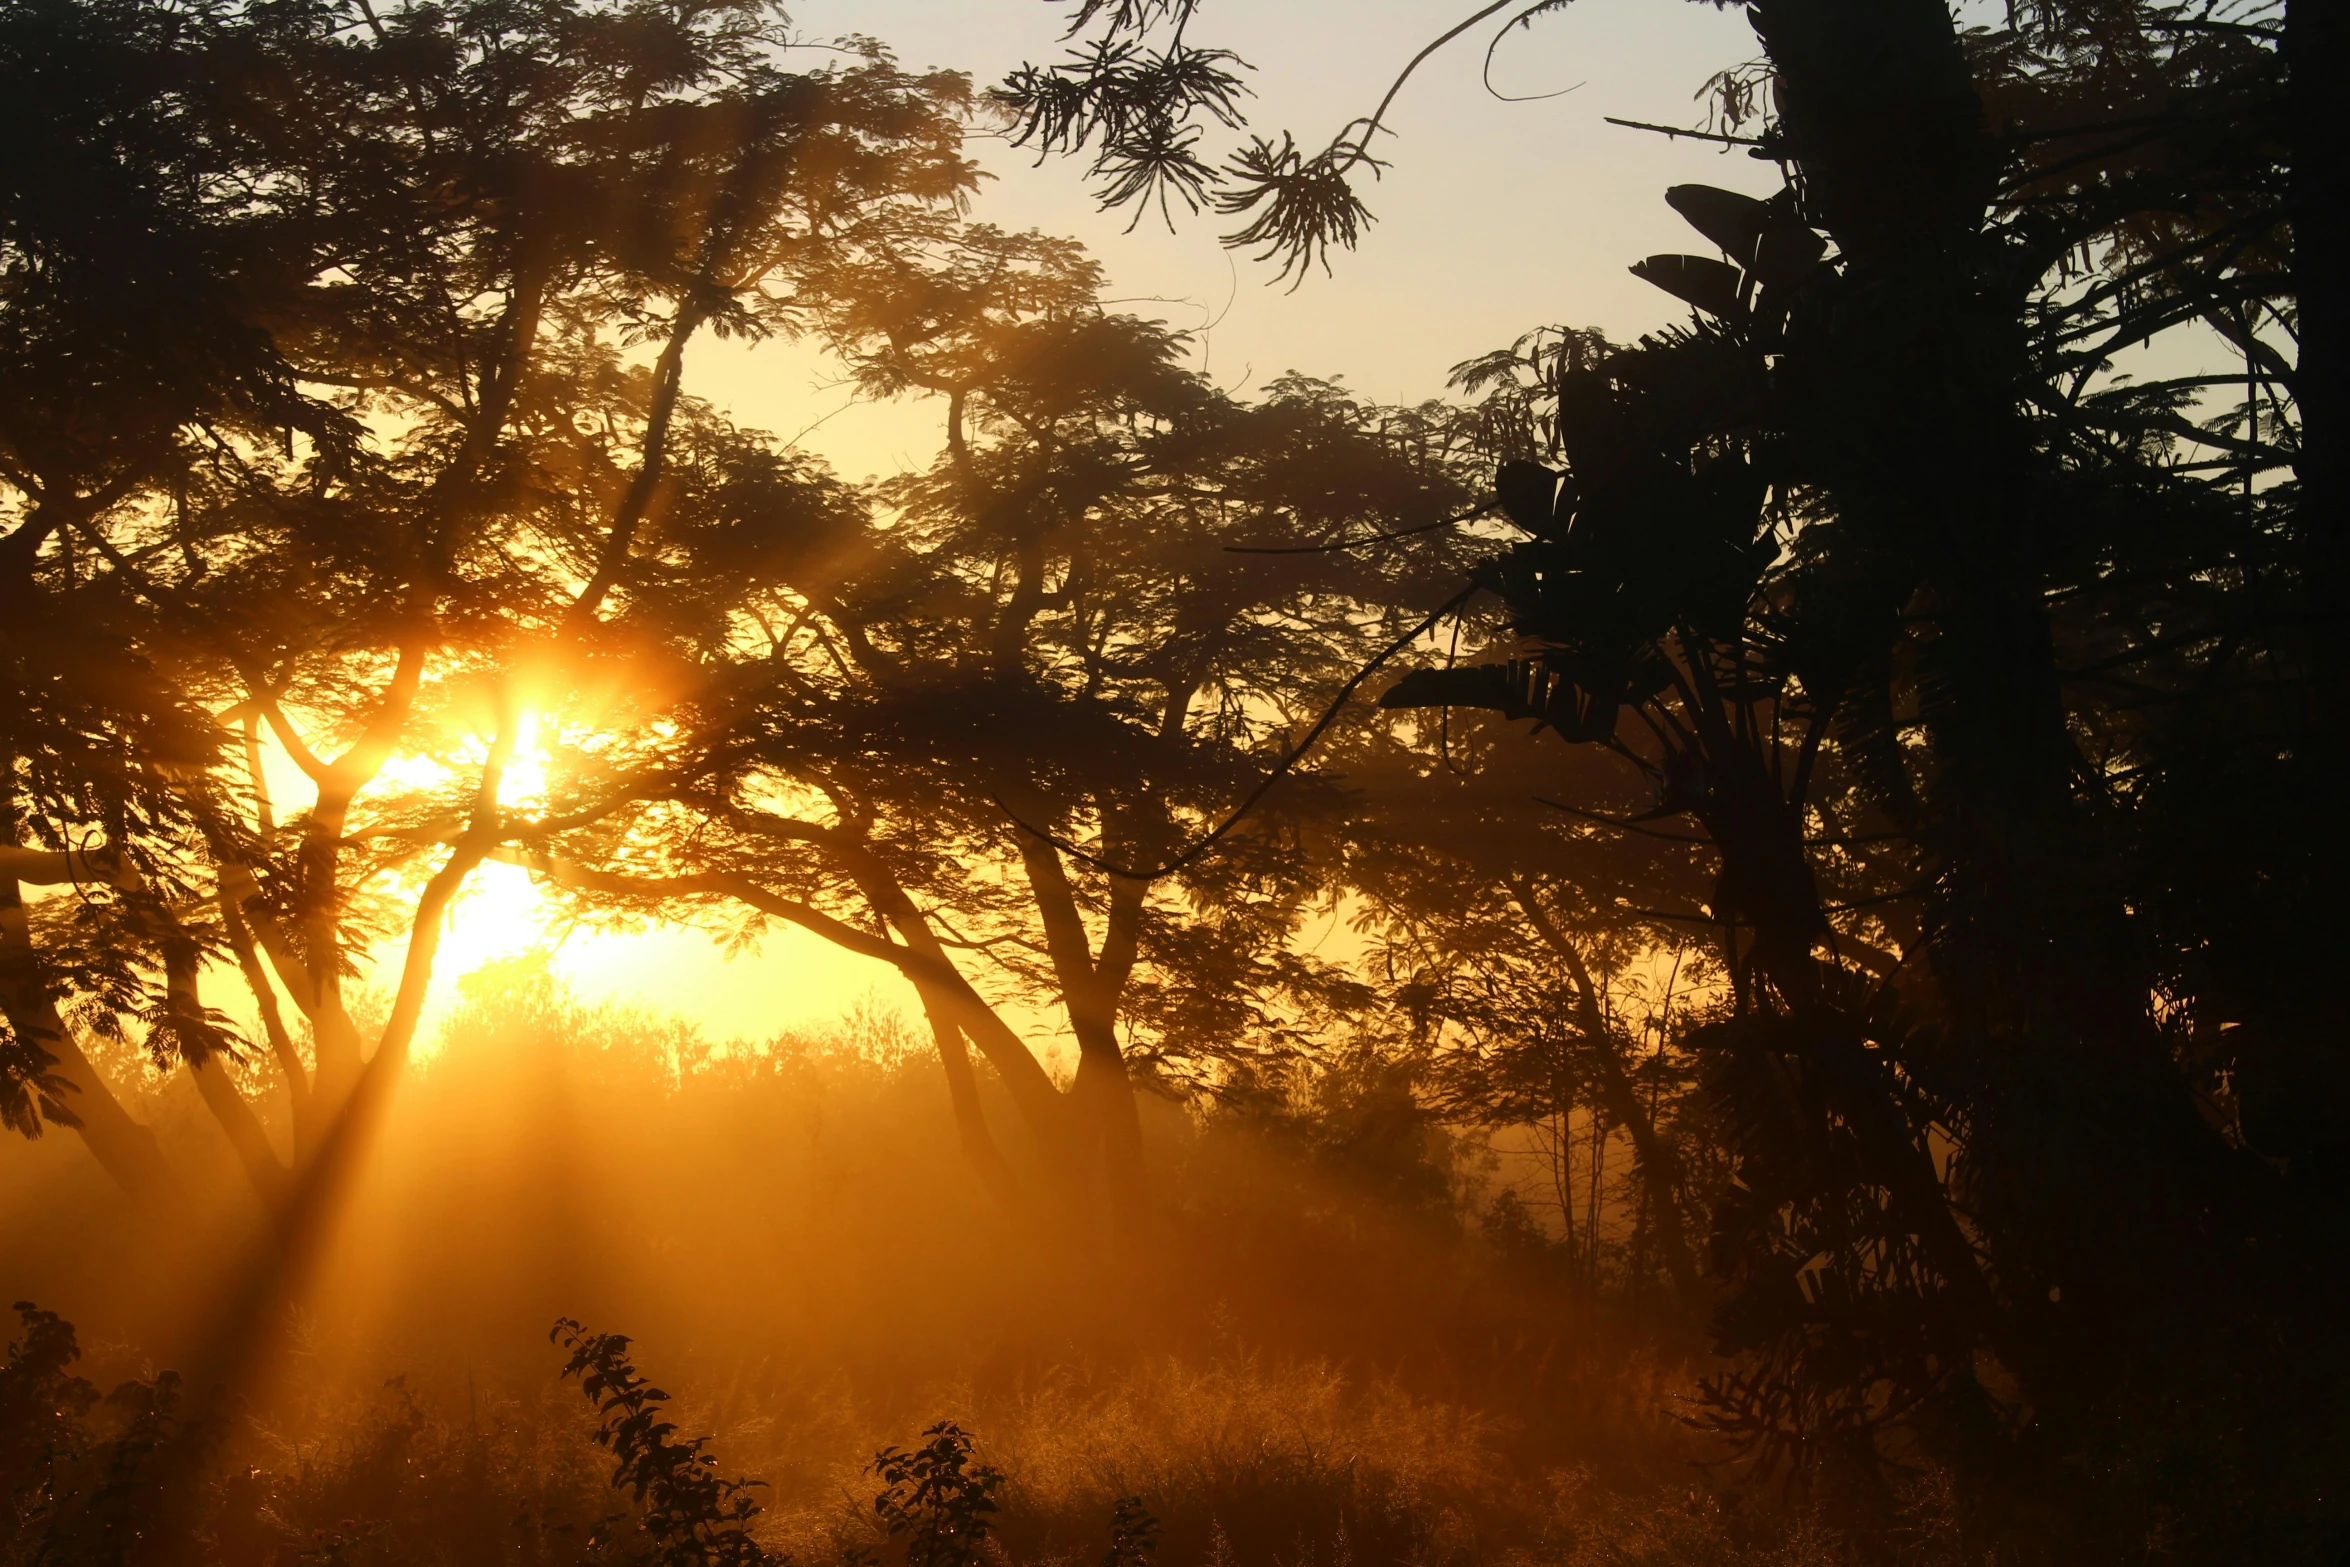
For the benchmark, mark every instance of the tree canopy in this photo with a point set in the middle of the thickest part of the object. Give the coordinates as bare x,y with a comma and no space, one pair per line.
1924,888
1964,652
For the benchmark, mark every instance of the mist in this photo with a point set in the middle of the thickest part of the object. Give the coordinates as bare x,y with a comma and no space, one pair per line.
730,839
1299,1365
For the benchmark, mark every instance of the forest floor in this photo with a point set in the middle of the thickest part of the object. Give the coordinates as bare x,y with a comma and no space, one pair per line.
1328,1357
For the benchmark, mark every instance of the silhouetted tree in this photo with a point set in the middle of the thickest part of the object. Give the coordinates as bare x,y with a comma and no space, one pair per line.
344,444
1954,643
993,721
1515,932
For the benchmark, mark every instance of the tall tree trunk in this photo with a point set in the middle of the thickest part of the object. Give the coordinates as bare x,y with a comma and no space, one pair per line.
273,1023
1660,1165
333,1034
2317,43
1104,1090
978,1143
314,977
123,1147
1105,1096
246,1135
1923,372
947,994
182,963
919,956
644,486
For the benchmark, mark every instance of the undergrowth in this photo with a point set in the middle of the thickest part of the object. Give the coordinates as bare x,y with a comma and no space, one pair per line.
1335,1357
128,1478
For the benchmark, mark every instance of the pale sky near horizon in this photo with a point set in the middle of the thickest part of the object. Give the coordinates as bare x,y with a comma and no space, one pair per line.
1494,217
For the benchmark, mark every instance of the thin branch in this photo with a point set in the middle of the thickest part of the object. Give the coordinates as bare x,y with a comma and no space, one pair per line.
1455,520
1377,122
1280,770
1677,131
1619,822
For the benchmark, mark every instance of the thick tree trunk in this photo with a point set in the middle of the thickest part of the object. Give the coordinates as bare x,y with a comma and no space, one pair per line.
313,978
1921,374
1104,1091
2317,43
125,1148
1105,1096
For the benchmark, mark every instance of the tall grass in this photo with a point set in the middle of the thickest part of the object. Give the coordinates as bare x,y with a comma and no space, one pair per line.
1326,1361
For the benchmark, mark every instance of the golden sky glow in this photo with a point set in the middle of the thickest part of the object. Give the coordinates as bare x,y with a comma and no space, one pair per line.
1546,200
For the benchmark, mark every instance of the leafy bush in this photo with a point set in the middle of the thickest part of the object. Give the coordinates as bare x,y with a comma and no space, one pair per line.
42,1406
936,1500
690,1515
84,1495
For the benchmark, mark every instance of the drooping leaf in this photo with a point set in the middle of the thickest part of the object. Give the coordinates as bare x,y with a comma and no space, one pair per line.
1710,285
1786,254
1730,220
1531,497
1520,688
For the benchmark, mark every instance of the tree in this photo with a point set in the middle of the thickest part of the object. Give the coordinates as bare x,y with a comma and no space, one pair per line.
1950,640
131,278
1515,934
389,502
995,719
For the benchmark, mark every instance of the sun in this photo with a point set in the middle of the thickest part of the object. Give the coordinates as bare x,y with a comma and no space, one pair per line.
524,784
500,913
792,979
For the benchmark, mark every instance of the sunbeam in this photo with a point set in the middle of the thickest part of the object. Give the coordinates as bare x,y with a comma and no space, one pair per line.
995,783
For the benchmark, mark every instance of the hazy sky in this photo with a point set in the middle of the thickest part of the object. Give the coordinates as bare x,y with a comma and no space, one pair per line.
1494,218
